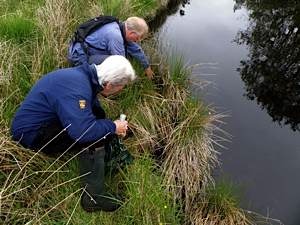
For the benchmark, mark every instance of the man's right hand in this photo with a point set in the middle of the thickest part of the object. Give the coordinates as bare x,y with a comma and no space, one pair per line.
121,127
149,73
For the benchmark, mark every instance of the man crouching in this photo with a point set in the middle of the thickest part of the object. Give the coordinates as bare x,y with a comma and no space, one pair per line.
62,112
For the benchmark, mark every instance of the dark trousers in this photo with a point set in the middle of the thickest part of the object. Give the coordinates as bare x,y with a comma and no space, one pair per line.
52,139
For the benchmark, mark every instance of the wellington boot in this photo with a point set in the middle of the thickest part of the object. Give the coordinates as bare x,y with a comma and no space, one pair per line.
94,198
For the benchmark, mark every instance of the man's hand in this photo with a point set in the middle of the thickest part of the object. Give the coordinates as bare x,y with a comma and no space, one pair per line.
149,73
121,127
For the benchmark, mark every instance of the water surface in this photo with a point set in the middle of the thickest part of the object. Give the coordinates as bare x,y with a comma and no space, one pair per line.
262,98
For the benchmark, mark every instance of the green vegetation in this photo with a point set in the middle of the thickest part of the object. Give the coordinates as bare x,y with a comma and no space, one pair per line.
172,133
219,205
16,28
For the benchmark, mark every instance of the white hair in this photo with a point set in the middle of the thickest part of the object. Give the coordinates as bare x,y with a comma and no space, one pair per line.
115,69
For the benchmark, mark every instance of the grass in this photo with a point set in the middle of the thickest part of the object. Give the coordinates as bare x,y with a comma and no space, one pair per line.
17,28
36,189
15,81
219,205
123,9
21,7
222,198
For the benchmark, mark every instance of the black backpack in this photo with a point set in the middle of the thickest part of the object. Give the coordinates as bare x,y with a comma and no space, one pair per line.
88,27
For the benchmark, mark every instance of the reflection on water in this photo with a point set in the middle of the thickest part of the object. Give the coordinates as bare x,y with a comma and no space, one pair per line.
271,72
162,14
262,158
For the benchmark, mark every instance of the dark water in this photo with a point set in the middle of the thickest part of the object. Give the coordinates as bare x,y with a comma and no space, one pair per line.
262,98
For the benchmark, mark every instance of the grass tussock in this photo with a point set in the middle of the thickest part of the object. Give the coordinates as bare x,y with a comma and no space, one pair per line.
219,206
179,129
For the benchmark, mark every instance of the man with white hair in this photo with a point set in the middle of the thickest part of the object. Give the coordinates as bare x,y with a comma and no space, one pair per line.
62,112
112,38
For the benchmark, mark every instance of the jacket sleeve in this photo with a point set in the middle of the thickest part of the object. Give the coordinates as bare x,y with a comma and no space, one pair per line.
75,112
137,52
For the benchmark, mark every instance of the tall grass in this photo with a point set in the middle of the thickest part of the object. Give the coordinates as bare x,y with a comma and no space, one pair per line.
9,54
16,28
125,8
22,172
148,202
38,190
14,79
55,21
179,130
21,7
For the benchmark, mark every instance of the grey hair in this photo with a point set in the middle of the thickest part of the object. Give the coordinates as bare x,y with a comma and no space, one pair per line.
115,69
137,25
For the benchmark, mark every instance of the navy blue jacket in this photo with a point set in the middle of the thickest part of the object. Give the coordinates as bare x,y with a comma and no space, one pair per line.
68,96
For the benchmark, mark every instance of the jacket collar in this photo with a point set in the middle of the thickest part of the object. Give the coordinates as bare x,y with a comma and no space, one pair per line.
123,33
91,73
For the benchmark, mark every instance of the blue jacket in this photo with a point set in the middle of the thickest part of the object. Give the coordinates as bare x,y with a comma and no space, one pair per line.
107,40
65,95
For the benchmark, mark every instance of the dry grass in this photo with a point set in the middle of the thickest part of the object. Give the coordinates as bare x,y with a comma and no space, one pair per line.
182,130
218,204
12,83
30,184
9,58
214,218
55,20
188,162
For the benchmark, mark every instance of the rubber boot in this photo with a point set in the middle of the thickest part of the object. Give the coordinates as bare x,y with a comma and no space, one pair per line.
94,198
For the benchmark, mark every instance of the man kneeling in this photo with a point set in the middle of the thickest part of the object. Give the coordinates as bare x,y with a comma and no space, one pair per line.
62,112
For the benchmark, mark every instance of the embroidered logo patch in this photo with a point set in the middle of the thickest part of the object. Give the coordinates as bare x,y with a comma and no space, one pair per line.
82,104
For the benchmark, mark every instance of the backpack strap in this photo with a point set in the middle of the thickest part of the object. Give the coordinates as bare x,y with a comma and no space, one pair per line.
90,26
123,32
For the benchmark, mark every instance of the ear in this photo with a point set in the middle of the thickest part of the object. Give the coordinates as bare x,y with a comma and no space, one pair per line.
107,86
130,32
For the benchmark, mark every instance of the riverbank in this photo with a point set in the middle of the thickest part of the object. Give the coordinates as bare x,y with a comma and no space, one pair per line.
175,187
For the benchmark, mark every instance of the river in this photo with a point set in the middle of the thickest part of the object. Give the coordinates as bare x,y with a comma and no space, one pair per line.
261,99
